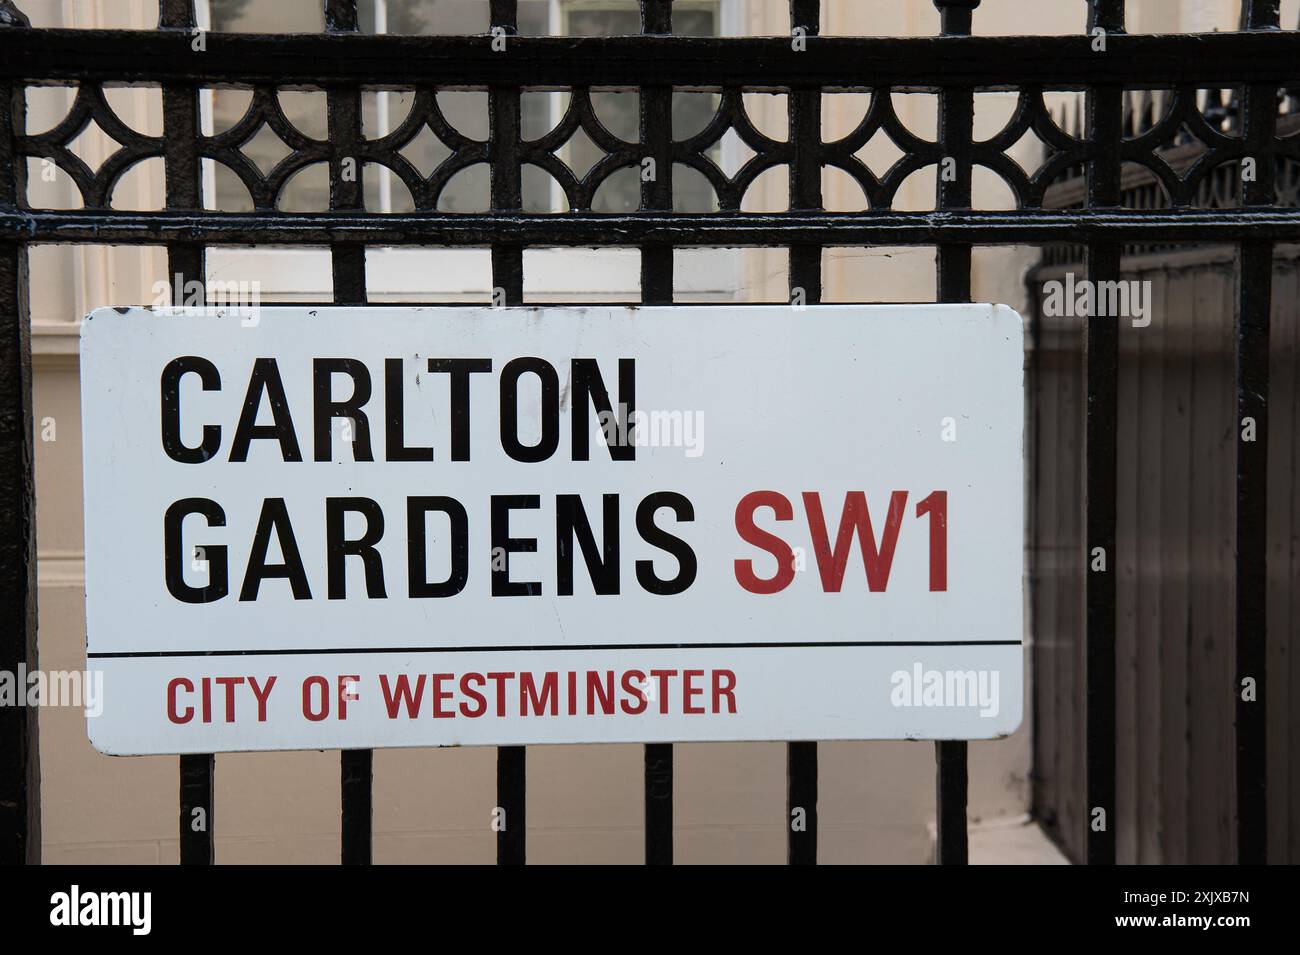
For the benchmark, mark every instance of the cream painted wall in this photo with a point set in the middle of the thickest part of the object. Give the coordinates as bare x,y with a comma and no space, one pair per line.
585,802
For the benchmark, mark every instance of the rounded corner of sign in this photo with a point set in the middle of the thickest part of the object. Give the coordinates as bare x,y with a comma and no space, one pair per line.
1004,311
103,744
1015,721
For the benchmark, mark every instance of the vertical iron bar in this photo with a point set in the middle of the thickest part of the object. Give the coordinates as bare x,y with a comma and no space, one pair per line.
341,16
1254,290
20,772
805,273
503,154
512,798
176,15
1101,356
356,774
1104,106
1106,14
659,804
1254,277
346,184
508,289
953,263
951,845
657,289
197,823
1261,15
955,16
348,259
185,264
801,802
348,265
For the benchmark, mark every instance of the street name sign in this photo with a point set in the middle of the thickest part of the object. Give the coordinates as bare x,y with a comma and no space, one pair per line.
356,527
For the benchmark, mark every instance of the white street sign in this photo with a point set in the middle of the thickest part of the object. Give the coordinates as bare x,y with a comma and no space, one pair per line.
392,526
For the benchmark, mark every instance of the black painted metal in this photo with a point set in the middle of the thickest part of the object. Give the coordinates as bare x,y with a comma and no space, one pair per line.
955,16
1261,14
1254,277
504,145
1258,59
1105,131
1255,282
805,278
20,790
659,803
840,63
953,262
656,134
11,16
801,802
348,264
512,767
951,844
341,16
1099,559
20,764
176,15
738,230
197,825
185,264
356,796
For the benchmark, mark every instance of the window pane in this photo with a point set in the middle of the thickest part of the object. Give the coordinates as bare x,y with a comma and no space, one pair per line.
620,112
282,16
423,17
695,22
534,17
625,19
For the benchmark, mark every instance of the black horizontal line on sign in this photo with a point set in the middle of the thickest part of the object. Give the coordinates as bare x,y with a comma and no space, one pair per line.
550,647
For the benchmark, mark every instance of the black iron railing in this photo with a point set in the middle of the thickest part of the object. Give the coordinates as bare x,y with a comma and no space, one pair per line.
1258,60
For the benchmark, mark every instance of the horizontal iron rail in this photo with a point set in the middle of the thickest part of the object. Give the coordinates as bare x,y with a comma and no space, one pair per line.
695,229
1153,60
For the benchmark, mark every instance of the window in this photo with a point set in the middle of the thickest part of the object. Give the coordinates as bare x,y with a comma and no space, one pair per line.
467,112
410,274
308,189
620,112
